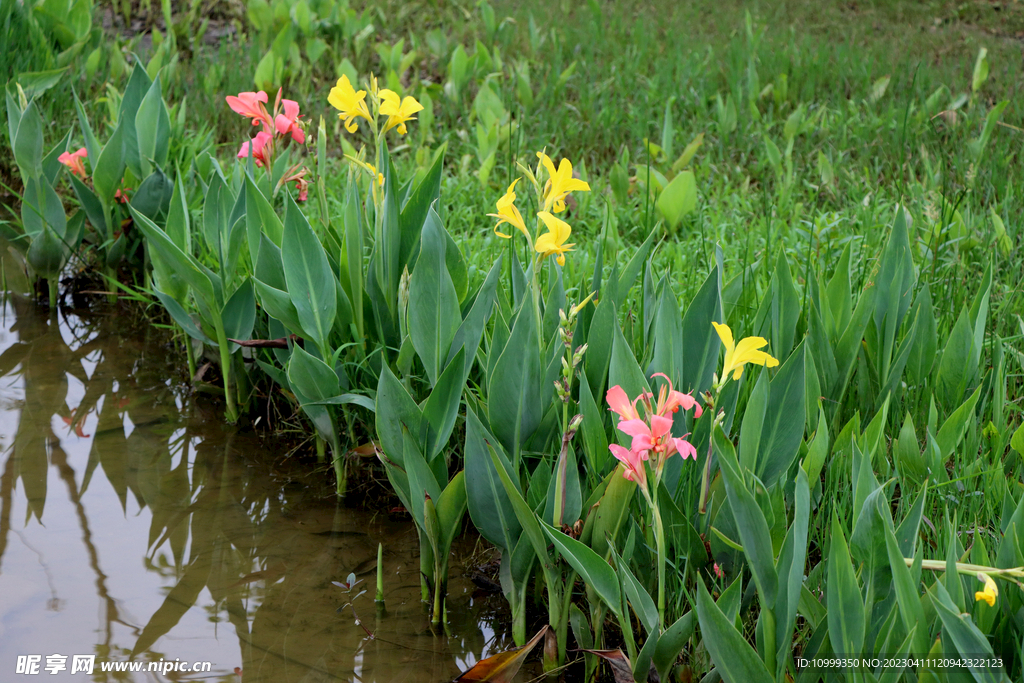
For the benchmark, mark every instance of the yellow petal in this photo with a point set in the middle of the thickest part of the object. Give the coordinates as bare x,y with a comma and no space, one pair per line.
558,228
725,334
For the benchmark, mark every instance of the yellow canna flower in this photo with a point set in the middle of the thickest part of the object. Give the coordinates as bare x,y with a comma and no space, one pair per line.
397,110
990,593
560,183
553,241
350,102
738,355
508,213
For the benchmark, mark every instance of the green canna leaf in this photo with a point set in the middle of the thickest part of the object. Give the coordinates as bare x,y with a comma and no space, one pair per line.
442,407
239,314
699,339
28,142
846,618
731,654
153,129
311,282
781,434
594,571
514,407
968,641
671,644
434,315
260,219
750,522
108,168
489,505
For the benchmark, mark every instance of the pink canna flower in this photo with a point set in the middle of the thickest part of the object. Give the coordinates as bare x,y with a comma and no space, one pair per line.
652,435
261,148
670,400
635,469
122,195
287,123
251,105
75,161
619,403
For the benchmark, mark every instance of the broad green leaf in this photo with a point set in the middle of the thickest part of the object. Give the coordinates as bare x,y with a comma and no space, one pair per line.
184,320
451,506
594,571
968,640
699,340
139,84
35,83
310,377
442,407
185,265
613,511
750,522
533,527
817,450
752,423
678,199
260,219
108,169
239,313
671,643
28,143
153,129
731,654
846,618
513,406
781,434
311,282
278,305
414,211
395,408
434,315
953,429
471,331
595,440
47,253
489,505
906,592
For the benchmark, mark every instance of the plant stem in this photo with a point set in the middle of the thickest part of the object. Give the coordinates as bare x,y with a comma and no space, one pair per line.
231,412
52,286
380,574
659,540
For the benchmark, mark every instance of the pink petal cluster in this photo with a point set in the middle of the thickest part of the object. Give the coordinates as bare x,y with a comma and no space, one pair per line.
282,122
262,147
652,436
251,105
75,161
287,123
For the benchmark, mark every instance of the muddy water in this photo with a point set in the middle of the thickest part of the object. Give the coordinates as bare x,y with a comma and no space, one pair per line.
135,526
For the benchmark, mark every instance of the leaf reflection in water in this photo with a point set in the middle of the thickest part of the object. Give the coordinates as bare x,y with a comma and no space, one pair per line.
168,526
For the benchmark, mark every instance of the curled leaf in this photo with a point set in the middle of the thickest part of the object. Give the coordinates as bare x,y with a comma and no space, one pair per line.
502,667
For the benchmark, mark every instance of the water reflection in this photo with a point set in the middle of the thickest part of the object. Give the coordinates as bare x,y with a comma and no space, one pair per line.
132,526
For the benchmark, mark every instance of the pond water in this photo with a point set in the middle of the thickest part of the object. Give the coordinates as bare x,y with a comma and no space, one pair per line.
134,525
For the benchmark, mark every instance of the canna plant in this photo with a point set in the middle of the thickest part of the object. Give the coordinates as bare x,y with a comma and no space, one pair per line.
46,238
223,299
128,172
